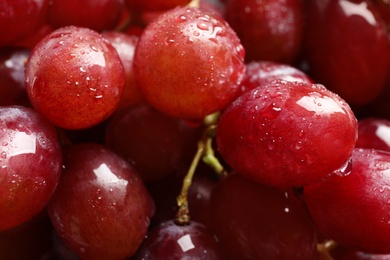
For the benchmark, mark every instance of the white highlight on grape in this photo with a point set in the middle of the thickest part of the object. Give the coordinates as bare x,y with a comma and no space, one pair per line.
185,243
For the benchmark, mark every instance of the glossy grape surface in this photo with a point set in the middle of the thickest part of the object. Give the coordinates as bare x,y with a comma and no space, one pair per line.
30,164
270,30
101,209
188,63
351,62
352,207
171,241
97,15
374,133
261,73
20,19
255,221
287,134
74,77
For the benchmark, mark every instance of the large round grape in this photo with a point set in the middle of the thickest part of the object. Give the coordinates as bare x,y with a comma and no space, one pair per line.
353,207
189,63
30,164
101,209
287,134
74,77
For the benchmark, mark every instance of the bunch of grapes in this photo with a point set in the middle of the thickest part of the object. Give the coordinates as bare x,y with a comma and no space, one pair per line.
194,129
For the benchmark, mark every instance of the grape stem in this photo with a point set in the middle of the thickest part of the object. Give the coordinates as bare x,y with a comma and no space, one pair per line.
325,248
206,153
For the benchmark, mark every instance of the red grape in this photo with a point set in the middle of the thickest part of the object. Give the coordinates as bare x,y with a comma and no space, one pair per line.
74,77
20,19
254,221
374,133
30,164
172,241
12,89
101,209
151,141
270,30
125,46
287,134
352,62
153,5
353,207
98,15
188,63
261,73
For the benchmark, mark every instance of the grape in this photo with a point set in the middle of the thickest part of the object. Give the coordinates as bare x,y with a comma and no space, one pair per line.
353,63
254,221
101,209
172,241
30,164
287,134
12,89
261,73
125,46
188,63
270,30
374,133
153,5
20,19
352,207
151,141
97,15
74,77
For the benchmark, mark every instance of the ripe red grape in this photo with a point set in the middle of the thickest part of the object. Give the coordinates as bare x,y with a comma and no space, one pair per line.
261,73
151,141
30,164
125,46
154,5
171,241
255,221
188,63
97,15
12,89
74,77
352,62
287,134
20,19
270,30
353,207
101,209
374,133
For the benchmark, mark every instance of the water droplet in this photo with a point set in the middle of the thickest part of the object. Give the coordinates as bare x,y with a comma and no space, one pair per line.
3,155
98,96
195,33
345,169
203,26
82,69
181,18
94,48
4,143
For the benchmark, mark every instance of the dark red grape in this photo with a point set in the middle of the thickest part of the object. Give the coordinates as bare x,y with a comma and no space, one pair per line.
101,209
30,240
74,77
287,134
188,63
352,62
151,141
270,30
261,73
374,133
254,221
125,46
352,207
20,19
172,241
153,5
97,15
12,89
30,164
